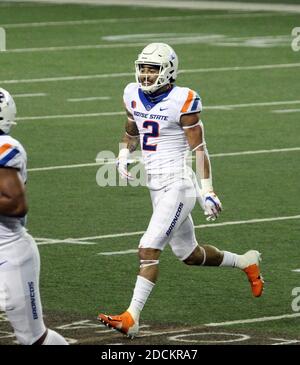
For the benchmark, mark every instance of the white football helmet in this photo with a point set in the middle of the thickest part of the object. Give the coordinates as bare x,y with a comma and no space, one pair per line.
8,111
163,56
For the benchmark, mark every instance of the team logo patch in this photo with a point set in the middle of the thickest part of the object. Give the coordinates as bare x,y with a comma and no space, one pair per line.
133,104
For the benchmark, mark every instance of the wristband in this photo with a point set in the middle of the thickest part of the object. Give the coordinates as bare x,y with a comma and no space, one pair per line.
124,153
206,185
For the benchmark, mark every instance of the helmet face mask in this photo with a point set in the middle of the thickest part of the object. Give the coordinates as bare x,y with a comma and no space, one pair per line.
8,111
161,56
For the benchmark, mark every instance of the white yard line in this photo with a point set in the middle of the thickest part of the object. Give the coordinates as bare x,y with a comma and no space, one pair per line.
242,68
176,4
250,221
11,4
117,252
80,47
283,341
253,320
282,41
282,111
138,40
127,74
212,107
70,78
43,241
62,167
50,241
92,98
113,161
233,106
29,95
140,19
296,270
255,152
67,116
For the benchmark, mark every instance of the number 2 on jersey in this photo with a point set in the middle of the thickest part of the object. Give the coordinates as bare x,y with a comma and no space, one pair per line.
152,134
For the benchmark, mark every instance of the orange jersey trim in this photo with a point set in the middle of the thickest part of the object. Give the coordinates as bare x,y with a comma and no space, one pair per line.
5,147
188,101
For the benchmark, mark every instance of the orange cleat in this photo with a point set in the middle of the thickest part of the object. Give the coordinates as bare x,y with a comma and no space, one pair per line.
253,273
123,323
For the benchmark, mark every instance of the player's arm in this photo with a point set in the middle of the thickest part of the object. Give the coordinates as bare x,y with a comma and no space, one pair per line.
12,193
193,129
129,144
131,136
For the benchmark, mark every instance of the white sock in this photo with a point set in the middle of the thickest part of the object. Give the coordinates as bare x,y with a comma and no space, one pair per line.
230,259
142,290
54,338
241,262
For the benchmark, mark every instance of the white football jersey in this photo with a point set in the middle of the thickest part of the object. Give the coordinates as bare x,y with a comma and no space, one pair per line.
163,142
13,155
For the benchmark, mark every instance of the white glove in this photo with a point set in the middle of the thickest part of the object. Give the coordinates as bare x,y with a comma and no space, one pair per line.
212,206
122,163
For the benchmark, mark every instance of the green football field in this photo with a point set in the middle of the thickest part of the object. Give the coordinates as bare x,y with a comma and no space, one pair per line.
67,66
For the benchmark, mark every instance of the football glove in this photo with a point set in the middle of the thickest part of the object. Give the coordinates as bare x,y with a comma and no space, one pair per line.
122,164
212,206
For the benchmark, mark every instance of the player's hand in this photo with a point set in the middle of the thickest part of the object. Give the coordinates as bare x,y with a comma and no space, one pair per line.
123,171
122,164
212,206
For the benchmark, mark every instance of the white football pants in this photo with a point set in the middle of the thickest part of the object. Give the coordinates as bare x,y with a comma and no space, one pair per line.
171,222
19,288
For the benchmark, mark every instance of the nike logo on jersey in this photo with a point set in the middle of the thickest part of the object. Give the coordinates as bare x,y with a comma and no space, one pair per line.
161,109
3,262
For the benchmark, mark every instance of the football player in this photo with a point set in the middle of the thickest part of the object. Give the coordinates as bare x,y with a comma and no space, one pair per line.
19,256
165,119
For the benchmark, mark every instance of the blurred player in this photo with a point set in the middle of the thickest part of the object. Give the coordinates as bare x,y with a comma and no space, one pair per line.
19,256
165,119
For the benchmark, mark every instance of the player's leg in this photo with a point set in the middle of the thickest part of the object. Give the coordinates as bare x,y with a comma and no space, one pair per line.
208,255
185,247
171,207
23,303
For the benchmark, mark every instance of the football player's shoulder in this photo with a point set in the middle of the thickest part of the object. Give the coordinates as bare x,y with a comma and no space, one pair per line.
130,88
188,100
11,151
6,140
180,93
129,94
